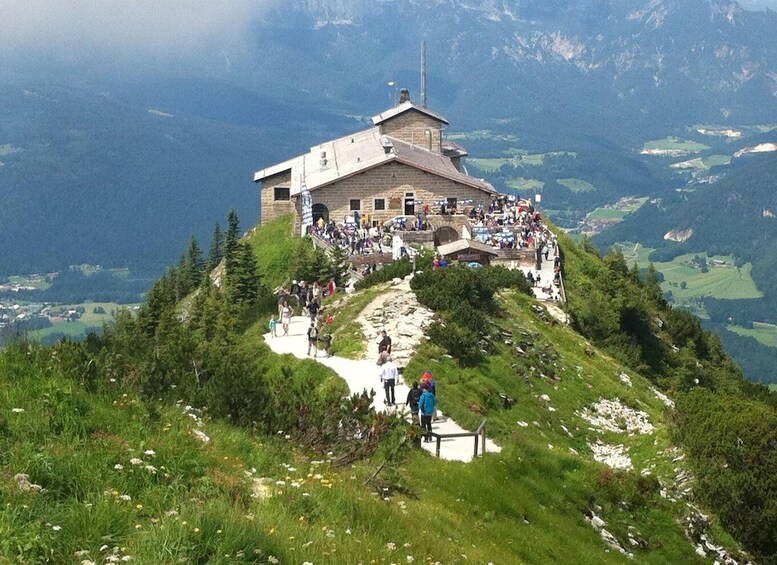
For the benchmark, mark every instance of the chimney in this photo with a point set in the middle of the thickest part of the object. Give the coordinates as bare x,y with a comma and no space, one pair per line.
404,95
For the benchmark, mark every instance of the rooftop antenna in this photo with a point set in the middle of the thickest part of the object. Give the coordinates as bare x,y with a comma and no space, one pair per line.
423,74
394,92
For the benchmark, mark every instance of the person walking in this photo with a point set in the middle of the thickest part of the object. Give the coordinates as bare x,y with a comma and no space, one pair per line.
286,313
413,396
313,338
273,325
385,343
388,376
426,408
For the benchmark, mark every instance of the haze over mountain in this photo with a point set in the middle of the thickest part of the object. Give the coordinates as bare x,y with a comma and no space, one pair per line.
254,83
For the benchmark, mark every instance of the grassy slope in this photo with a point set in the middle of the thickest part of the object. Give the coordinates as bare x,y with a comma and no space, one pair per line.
765,333
549,483
722,283
524,505
507,508
673,143
275,247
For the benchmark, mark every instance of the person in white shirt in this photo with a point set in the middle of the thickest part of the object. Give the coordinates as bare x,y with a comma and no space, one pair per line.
388,376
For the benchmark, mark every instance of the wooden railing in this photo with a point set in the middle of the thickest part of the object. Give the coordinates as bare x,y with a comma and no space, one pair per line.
479,435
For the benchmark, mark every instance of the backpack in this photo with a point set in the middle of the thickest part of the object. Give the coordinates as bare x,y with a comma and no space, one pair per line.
312,332
415,396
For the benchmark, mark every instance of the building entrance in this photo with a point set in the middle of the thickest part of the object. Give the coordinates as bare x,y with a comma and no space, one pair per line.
320,211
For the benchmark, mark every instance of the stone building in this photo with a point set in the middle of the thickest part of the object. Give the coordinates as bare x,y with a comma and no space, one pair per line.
397,167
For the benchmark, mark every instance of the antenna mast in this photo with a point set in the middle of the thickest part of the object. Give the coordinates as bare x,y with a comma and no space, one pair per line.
423,74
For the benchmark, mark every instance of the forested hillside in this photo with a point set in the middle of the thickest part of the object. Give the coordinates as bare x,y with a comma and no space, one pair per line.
180,436
734,216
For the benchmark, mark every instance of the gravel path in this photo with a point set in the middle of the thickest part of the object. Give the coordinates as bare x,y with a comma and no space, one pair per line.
363,373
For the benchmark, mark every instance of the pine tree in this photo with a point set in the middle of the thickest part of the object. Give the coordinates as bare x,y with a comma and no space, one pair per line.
190,269
232,256
216,248
233,235
246,280
339,268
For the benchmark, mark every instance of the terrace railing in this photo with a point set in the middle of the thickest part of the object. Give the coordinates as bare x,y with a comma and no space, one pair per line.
479,435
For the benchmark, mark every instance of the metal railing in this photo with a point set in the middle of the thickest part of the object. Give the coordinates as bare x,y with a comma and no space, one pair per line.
479,435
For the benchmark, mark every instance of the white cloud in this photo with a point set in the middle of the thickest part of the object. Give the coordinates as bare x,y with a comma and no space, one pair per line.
149,26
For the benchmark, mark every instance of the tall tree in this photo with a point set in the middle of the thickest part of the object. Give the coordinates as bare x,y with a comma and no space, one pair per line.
191,267
216,248
233,235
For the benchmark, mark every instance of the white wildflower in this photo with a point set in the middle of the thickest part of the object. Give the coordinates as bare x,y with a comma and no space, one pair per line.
274,560
201,436
151,469
391,546
125,497
149,452
56,528
136,461
17,410
409,558
118,466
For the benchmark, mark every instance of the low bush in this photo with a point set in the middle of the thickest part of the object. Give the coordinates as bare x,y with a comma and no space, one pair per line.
397,269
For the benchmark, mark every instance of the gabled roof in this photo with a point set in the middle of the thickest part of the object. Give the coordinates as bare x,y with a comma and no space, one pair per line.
463,245
344,157
404,107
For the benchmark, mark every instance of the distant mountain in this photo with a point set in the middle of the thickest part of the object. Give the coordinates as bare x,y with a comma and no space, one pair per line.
104,162
124,180
623,69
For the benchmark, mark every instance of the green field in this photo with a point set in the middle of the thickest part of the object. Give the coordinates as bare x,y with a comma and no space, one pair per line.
40,284
479,135
716,161
764,333
521,183
89,321
773,386
488,165
688,285
577,185
672,143
517,157
616,212
607,213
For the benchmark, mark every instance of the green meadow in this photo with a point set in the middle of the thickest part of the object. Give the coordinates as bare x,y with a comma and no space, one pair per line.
577,185
764,333
689,284
672,143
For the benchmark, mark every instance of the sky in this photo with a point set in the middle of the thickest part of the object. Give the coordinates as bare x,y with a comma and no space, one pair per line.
66,29
151,26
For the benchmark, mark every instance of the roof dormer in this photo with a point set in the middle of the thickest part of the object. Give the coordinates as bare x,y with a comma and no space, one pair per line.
412,124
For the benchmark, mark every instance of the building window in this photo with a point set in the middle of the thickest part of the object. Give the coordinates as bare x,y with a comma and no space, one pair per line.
380,204
356,205
282,193
452,202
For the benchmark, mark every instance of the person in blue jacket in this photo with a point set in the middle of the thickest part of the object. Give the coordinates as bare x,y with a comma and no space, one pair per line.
426,408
